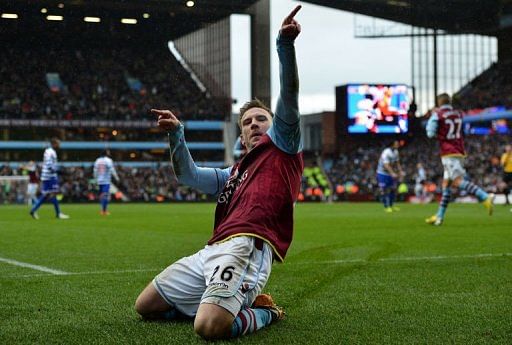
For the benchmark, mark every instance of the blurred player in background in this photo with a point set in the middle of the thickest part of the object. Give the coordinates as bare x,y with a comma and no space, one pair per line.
389,171
506,163
446,123
420,179
33,182
103,171
50,181
219,285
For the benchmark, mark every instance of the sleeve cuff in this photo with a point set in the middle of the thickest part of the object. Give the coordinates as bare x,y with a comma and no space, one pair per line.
284,39
176,136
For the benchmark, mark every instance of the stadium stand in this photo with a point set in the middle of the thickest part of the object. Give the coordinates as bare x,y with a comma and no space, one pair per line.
115,83
490,89
354,173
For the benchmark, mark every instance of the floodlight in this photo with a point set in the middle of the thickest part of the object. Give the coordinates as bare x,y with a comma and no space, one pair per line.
129,21
9,16
92,19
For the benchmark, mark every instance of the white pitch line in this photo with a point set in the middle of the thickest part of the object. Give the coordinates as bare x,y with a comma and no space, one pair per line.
406,259
87,273
34,267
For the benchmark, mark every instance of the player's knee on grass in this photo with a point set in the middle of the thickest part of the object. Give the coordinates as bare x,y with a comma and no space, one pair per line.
213,322
150,302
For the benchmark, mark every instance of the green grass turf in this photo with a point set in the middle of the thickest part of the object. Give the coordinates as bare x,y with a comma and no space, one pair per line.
448,295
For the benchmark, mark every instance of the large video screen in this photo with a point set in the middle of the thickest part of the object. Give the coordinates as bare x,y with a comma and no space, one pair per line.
380,109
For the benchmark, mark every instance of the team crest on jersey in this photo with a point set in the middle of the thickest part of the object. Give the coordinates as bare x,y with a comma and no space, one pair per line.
234,182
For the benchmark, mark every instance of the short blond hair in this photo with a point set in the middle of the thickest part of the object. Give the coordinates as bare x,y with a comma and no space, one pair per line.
443,99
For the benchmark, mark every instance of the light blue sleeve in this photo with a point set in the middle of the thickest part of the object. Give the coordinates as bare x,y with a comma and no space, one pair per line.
432,125
285,131
207,180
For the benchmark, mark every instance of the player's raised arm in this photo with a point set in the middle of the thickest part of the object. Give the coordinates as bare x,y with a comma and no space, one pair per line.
285,132
208,180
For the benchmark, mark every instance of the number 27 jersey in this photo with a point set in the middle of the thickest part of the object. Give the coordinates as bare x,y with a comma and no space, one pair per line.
449,131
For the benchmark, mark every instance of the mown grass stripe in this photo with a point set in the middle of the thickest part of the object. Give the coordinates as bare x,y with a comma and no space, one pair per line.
406,259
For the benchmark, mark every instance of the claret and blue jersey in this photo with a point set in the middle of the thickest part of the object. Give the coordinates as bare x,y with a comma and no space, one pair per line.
256,195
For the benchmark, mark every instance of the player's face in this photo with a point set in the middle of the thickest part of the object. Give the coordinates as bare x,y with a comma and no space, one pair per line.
255,122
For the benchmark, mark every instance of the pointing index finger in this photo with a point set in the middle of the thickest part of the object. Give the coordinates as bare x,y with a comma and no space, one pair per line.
294,12
159,112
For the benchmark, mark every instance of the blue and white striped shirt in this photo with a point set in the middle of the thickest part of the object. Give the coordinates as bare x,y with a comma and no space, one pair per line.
388,156
49,165
104,169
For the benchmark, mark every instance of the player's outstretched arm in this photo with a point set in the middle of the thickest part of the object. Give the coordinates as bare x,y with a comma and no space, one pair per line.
208,180
285,132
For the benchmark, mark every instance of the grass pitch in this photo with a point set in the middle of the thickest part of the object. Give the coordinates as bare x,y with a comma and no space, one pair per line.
353,275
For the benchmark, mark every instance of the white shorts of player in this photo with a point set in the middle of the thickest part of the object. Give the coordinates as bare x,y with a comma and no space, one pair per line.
32,189
418,189
453,167
229,274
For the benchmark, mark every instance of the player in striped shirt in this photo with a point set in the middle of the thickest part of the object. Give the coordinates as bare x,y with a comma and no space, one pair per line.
446,123
388,171
103,171
50,181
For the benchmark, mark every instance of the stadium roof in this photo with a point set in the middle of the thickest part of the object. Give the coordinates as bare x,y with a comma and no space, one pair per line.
163,18
456,16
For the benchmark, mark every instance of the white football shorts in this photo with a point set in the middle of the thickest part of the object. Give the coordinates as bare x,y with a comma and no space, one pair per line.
229,274
453,167
32,189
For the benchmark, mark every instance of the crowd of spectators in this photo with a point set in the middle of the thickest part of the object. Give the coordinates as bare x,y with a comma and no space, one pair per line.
314,184
109,135
358,168
352,173
136,184
94,84
491,88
